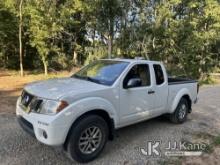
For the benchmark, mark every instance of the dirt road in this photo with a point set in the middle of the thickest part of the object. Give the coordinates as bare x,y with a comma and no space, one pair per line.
16,147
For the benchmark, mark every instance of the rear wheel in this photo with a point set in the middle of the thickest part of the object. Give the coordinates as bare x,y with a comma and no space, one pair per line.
88,138
181,112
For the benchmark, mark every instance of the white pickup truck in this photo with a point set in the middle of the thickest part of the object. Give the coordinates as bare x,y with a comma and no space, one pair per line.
81,112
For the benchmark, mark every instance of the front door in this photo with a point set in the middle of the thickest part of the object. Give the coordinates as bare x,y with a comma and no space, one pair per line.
136,102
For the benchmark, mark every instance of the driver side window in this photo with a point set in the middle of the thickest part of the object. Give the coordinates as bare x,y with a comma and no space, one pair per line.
140,71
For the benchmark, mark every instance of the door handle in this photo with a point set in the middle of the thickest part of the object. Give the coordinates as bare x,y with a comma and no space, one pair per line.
151,92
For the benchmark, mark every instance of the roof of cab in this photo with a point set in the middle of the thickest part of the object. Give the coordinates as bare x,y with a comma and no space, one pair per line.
132,60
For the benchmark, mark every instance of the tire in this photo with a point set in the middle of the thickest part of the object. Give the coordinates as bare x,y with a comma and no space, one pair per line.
81,146
180,114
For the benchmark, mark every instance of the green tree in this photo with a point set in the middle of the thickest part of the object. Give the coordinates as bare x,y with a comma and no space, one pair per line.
183,34
108,14
8,39
74,20
44,28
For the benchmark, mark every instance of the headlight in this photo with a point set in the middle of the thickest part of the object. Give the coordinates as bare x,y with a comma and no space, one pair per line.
51,107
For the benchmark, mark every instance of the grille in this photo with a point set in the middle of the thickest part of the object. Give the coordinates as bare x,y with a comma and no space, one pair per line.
30,101
26,98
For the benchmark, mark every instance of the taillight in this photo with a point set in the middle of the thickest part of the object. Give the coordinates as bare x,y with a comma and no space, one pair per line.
198,88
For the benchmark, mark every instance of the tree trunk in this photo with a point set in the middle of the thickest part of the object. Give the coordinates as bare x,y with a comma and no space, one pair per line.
75,58
45,65
153,43
109,47
110,37
20,38
45,68
5,59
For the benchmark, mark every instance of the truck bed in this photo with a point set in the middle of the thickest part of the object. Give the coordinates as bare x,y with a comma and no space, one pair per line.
175,85
173,81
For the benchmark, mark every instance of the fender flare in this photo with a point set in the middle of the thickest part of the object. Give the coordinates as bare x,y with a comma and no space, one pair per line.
82,106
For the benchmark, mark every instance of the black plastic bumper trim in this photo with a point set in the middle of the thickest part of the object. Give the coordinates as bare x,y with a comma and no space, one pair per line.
26,125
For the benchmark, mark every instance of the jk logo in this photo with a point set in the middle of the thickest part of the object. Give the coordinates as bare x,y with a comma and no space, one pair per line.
152,149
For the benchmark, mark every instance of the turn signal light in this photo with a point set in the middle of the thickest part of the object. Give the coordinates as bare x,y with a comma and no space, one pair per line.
63,104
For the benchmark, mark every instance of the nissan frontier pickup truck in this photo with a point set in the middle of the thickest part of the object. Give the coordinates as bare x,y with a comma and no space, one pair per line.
82,112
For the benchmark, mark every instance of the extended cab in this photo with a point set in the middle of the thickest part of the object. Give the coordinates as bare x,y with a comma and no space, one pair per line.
81,112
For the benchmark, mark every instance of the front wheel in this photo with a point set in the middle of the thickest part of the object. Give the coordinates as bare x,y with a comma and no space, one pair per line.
180,114
88,138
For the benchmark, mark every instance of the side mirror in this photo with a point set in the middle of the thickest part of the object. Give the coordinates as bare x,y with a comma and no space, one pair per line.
133,82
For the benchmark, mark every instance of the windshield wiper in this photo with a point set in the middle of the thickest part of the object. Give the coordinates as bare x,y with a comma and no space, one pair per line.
87,78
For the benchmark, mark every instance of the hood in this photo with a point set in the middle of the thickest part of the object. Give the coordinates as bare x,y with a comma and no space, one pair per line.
59,87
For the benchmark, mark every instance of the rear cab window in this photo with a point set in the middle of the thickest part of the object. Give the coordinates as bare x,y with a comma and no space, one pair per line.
159,76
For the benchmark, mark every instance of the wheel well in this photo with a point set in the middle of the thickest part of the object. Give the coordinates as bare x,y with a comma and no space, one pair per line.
189,102
101,113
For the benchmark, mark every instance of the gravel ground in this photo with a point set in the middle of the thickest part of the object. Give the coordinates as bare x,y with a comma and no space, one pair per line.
17,147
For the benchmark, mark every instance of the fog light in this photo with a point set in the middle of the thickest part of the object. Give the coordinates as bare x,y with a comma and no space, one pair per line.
45,134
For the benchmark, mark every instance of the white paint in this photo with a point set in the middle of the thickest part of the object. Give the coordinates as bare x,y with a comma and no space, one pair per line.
124,106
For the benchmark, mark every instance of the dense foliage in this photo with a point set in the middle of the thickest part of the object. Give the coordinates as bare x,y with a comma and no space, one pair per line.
58,34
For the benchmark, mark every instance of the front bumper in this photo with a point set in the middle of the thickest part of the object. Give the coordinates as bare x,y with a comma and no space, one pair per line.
27,126
39,125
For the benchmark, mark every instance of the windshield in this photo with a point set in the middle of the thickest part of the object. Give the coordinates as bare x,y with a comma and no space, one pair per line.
102,72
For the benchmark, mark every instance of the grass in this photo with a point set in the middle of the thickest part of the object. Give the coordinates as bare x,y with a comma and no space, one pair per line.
35,75
208,81
209,149
213,141
11,85
217,140
217,80
212,79
171,161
